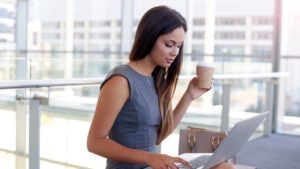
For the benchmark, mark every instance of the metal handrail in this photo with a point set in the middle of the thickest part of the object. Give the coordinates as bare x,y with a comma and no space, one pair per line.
13,84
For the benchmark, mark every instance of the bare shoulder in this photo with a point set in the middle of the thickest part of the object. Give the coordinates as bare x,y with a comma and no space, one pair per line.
115,81
116,85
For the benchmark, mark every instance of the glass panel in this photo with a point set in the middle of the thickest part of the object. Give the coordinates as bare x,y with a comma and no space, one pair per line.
7,120
67,118
7,72
8,129
290,123
289,120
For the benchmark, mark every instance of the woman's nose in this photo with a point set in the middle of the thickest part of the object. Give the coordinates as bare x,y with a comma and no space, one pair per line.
175,51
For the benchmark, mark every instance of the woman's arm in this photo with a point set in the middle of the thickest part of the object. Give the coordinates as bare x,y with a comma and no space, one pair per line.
192,93
112,97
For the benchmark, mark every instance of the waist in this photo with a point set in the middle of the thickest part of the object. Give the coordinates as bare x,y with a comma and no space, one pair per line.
141,138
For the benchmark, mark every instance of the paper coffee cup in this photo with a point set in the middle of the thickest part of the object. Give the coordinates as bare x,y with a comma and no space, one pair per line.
205,73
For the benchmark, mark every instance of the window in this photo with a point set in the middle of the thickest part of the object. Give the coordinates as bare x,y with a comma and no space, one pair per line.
51,25
3,40
198,35
118,23
79,24
78,46
197,49
34,38
79,35
261,50
4,28
262,35
102,35
4,13
97,24
50,36
262,21
230,21
198,21
236,50
230,35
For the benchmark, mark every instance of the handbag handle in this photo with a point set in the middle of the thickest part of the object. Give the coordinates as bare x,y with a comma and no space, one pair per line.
195,128
192,142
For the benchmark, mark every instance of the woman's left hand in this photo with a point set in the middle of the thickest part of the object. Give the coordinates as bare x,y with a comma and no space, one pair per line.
194,91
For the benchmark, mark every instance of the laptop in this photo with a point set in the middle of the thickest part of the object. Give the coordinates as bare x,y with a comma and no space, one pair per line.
230,145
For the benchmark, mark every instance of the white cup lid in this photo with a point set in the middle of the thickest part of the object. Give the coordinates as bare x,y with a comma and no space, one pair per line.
205,64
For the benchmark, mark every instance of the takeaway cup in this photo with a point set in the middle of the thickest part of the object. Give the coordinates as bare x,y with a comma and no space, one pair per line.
205,73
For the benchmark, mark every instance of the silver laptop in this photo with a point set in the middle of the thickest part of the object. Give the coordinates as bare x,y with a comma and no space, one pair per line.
229,147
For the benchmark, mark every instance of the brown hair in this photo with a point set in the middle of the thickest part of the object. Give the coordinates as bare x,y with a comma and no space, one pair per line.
155,22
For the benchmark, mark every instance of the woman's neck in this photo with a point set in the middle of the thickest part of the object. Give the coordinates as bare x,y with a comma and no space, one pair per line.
143,67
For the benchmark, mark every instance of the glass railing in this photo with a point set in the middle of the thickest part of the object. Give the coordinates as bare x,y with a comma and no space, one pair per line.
39,65
64,116
291,121
69,106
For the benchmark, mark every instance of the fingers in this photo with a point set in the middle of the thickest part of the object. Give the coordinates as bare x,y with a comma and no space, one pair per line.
171,163
167,162
182,161
174,161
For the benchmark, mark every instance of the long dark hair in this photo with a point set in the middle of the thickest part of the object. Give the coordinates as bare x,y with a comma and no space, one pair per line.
156,22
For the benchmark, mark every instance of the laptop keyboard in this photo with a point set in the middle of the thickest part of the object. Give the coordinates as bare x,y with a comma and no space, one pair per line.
196,162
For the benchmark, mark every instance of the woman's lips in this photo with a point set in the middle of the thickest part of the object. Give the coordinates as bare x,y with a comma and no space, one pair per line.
170,61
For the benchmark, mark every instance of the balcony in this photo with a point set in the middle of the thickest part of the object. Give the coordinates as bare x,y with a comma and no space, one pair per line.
50,118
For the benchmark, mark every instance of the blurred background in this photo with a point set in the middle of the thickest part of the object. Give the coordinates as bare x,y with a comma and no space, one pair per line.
60,50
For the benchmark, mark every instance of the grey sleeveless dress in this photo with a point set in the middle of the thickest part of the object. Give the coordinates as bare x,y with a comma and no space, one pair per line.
136,124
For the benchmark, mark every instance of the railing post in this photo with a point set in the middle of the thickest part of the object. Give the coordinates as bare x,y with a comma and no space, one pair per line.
269,101
34,133
34,130
225,107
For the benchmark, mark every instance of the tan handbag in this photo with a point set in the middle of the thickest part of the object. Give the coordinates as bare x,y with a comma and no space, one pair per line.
199,140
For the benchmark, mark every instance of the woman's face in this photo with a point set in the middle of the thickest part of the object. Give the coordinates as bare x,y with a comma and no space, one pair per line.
166,47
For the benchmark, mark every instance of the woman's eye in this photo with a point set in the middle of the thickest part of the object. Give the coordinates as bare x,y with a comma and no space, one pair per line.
169,45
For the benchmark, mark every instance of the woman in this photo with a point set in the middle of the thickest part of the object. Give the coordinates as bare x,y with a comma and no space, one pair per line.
134,111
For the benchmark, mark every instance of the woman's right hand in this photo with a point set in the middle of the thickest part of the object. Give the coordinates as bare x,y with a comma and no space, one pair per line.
162,161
